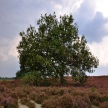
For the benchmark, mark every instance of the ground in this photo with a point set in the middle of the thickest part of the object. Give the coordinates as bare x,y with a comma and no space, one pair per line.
93,94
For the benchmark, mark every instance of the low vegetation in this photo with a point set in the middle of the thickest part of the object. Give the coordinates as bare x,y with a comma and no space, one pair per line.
93,93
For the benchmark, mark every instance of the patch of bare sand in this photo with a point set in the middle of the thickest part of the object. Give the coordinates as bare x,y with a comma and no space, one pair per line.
24,106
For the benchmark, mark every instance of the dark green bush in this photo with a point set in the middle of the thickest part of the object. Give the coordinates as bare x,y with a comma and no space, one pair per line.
32,78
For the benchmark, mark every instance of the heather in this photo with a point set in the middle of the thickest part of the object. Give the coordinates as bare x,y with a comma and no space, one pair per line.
71,95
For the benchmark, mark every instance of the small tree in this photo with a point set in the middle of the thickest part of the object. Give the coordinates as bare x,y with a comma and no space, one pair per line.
55,48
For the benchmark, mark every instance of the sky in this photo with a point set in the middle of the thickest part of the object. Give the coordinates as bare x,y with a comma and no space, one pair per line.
91,17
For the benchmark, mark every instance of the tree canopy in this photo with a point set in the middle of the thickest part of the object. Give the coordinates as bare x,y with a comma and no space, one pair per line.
54,49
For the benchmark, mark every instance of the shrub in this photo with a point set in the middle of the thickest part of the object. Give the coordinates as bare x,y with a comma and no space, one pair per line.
93,89
49,103
32,95
49,82
53,91
32,78
9,102
103,98
66,101
40,97
21,92
94,98
27,102
79,76
82,102
104,105
24,100
2,88
30,104
13,94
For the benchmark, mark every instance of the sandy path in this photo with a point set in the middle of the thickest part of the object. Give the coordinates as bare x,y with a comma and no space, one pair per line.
24,106
37,105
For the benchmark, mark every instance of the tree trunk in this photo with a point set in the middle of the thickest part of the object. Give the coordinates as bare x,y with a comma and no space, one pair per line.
61,79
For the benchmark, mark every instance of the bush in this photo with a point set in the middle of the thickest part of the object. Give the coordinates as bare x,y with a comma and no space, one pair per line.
65,101
9,102
93,89
104,105
94,98
32,78
21,94
103,98
24,100
27,102
40,97
82,102
79,76
49,82
32,95
50,103
30,104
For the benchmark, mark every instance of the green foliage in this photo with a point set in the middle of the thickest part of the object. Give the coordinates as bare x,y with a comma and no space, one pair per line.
19,74
32,78
93,89
55,48
79,76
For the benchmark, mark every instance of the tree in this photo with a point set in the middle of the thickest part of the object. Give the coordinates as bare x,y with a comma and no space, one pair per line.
55,49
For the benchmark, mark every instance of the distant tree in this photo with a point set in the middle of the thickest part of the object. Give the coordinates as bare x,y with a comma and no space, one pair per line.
54,49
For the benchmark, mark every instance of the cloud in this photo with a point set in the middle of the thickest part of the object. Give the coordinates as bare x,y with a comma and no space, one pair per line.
102,6
9,57
17,15
91,23
85,12
3,57
101,51
8,49
67,7
13,51
95,29
4,46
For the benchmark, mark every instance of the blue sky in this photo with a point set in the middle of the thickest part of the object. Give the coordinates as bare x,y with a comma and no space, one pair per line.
16,15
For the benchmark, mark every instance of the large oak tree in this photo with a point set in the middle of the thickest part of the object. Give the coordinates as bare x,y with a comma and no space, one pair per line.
54,49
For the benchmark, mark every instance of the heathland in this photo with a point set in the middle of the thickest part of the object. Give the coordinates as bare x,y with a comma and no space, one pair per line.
92,94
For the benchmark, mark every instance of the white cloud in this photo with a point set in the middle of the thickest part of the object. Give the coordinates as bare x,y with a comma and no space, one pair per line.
67,6
3,57
101,51
13,51
58,7
99,5
102,6
8,50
